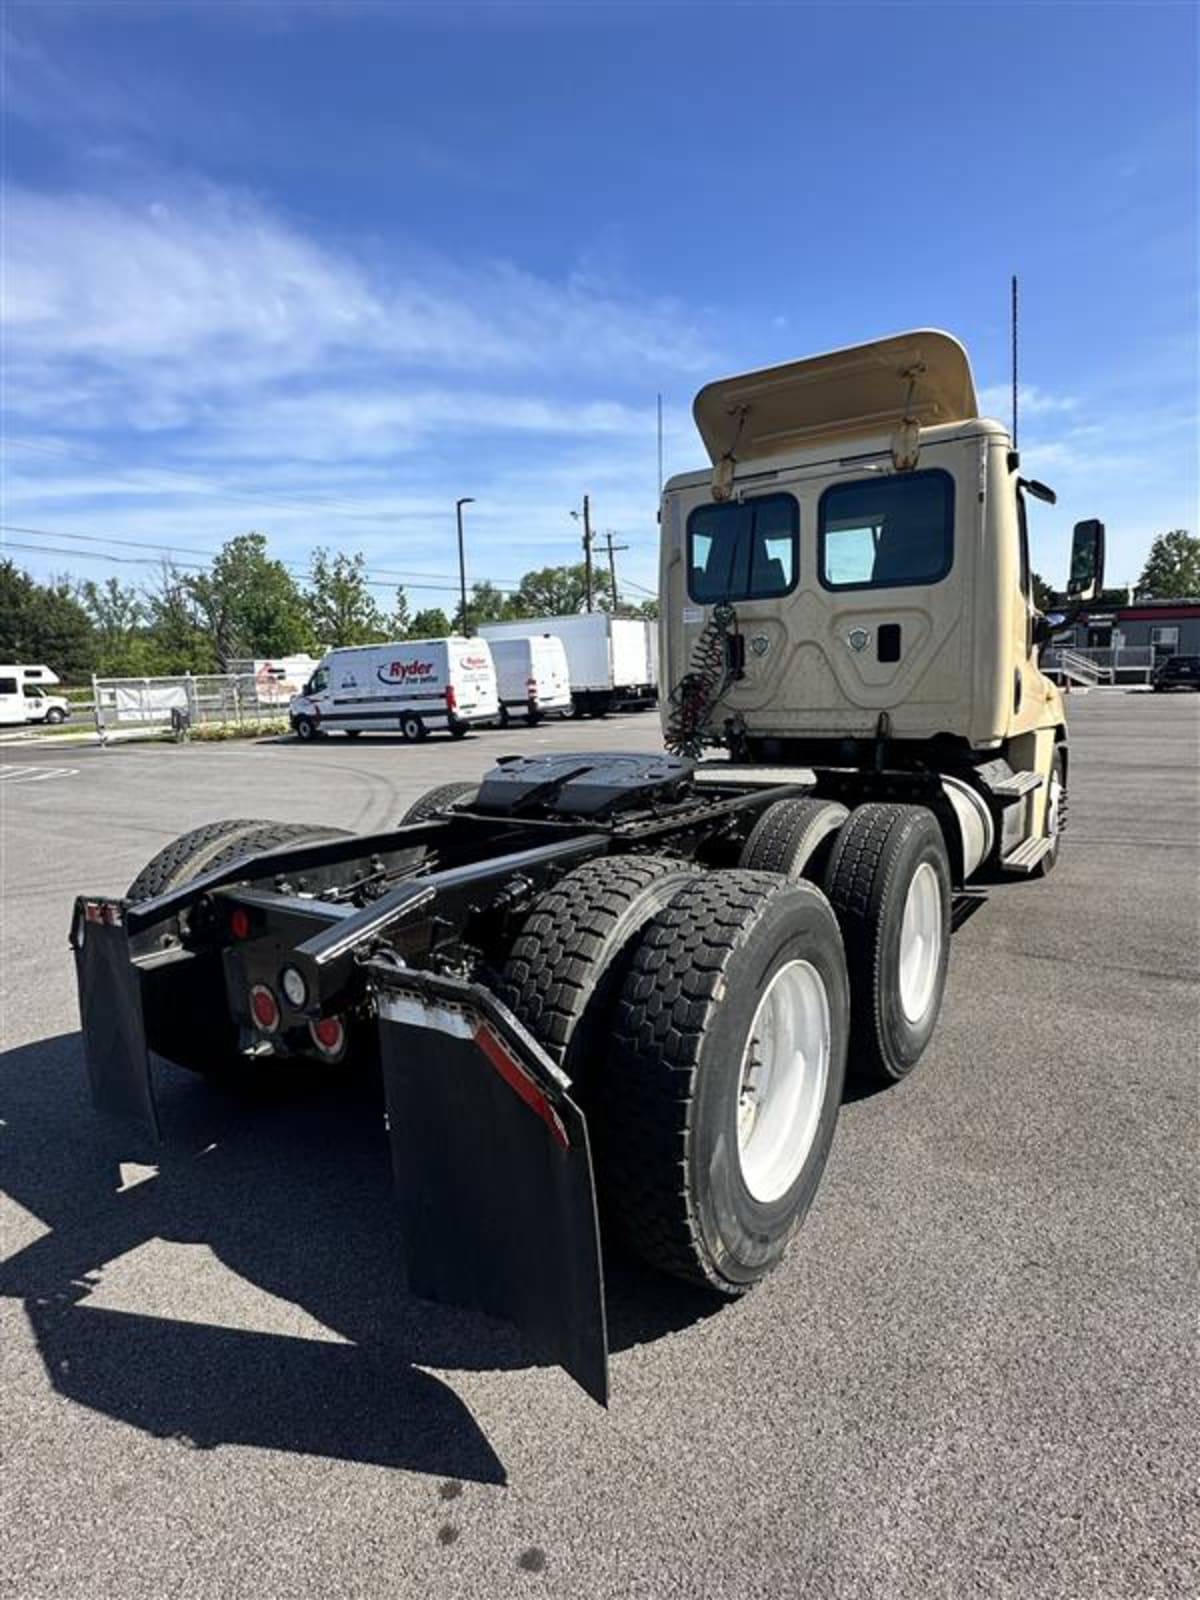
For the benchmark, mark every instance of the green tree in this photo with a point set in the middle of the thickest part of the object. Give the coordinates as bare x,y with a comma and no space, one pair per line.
341,608
1172,570
118,614
486,603
1043,594
44,623
249,604
400,621
430,624
178,640
559,591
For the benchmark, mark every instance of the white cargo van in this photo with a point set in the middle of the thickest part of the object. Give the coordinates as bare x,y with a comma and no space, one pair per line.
532,676
408,687
608,657
23,699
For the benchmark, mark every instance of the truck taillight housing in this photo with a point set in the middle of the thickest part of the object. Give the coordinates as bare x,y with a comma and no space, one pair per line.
264,1008
531,688
451,698
329,1036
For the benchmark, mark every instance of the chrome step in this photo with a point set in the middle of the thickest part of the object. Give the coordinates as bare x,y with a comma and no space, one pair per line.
1026,856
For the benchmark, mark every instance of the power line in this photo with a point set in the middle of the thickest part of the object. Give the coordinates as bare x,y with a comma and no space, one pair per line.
385,575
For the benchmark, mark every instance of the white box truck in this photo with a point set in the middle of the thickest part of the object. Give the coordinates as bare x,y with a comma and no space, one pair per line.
532,676
609,658
407,687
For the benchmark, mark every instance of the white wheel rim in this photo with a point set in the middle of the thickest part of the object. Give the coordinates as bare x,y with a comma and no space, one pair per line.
920,942
781,1089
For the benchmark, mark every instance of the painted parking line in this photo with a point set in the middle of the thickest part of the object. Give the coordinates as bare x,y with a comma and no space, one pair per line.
11,773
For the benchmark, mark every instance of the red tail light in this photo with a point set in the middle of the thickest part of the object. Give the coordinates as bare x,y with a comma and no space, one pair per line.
239,923
451,698
264,1008
531,688
329,1036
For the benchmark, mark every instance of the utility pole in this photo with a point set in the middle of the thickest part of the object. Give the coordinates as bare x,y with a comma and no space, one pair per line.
467,500
587,549
612,562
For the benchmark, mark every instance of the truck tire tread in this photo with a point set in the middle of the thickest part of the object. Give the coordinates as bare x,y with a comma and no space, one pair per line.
858,881
217,844
677,980
571,940
437,799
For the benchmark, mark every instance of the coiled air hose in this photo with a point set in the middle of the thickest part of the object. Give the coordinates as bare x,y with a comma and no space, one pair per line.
696,696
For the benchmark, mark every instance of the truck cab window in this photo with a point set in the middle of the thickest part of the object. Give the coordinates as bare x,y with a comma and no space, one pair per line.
745,551
884,533
318,681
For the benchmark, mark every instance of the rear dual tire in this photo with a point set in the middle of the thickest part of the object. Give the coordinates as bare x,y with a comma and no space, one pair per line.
659,989
888,880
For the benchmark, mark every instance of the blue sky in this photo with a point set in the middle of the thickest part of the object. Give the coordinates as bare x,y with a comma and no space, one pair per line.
320,270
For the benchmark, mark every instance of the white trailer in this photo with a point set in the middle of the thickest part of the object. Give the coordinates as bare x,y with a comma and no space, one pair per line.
610,658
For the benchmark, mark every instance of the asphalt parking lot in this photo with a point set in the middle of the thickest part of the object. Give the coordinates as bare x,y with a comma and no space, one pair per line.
974,1374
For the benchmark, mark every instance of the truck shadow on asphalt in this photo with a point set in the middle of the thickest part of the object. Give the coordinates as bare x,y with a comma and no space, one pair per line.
289,1185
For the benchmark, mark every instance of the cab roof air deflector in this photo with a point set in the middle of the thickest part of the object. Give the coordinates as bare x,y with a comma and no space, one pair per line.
922,377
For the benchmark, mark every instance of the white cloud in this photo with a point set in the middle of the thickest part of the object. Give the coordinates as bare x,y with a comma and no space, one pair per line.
995,400
149,313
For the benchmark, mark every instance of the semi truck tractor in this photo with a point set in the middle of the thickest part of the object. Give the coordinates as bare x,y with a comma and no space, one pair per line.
630,987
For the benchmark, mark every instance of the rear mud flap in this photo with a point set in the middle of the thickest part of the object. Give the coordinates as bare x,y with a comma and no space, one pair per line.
492,1166
110,1012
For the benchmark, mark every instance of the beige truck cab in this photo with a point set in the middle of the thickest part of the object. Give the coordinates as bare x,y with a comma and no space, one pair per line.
860,541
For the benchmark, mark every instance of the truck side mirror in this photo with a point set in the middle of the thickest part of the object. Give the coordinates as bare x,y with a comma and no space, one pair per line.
1087,561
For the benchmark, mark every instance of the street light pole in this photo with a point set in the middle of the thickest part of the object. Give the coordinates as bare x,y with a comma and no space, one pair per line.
467,500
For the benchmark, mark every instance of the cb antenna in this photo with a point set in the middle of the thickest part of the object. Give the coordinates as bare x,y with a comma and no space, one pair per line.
1014,361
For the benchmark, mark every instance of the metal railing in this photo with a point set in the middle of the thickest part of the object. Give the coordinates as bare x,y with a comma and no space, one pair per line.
129,705
1093,665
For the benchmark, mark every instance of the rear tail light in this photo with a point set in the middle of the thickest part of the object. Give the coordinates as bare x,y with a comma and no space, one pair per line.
329,1036
531,688
239,923
106,911
264,1008
451,698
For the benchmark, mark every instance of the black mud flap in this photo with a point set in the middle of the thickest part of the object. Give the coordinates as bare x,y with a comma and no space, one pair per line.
492,1167
110,1011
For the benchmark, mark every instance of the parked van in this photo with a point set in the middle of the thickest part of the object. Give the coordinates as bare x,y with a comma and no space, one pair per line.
23,699
408,687
532,676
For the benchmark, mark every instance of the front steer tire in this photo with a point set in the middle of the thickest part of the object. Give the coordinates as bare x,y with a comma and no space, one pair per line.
888,880
678,1181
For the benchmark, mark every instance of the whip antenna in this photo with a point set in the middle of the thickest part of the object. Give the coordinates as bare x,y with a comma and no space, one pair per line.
1014,360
